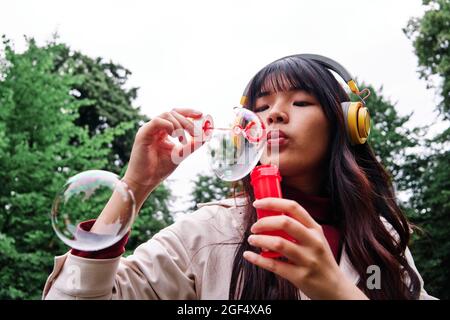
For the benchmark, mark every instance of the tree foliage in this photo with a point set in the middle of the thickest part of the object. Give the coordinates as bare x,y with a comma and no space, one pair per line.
431,37
430,186
209,187
43,142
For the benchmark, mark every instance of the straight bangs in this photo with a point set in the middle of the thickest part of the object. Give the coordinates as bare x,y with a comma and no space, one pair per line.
282,76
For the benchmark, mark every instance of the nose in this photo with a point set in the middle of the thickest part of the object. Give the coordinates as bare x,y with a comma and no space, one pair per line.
277,115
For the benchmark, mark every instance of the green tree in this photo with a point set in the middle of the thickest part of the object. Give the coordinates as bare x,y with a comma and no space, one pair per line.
430,169
108,101
37,117
209,187
41,145
390,136
431,37
107,104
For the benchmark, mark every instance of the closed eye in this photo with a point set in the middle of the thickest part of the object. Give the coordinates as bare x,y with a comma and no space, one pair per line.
296,103
302,103
261,109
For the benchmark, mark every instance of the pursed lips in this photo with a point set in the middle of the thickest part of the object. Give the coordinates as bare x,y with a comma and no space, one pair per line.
276,137
276,134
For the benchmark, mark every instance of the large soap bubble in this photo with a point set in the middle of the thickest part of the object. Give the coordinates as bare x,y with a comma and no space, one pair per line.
83,198
235,144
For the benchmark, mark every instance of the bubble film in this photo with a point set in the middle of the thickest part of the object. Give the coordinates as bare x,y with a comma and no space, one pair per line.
83,198
236,144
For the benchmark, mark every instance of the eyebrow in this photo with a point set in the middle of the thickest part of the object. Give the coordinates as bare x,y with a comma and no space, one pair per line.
263,94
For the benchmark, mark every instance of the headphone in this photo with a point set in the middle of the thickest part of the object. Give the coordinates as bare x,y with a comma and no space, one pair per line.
356,114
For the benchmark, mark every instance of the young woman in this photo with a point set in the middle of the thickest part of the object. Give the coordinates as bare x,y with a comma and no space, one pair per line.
351,236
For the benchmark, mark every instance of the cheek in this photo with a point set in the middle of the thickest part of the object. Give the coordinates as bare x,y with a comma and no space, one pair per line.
312,133
309,130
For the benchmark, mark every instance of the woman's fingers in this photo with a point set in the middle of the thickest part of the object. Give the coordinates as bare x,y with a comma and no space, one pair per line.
277,244
179,130
190,113
186,123
173,123
283,269
155,127
294,228
289,207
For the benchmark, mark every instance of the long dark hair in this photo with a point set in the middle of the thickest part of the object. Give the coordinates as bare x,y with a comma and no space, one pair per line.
360,190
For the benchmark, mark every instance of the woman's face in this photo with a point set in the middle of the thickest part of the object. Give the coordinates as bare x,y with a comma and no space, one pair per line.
301,147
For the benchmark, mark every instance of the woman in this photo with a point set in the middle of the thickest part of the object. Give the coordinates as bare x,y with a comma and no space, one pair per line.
351,236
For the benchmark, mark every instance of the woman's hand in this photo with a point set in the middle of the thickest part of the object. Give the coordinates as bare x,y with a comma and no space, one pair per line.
152,159
311,266
154,156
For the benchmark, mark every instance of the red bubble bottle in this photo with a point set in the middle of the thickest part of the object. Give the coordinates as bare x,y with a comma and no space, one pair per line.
265,180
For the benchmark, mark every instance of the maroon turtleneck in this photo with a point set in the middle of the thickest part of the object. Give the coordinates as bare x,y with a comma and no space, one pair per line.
322,212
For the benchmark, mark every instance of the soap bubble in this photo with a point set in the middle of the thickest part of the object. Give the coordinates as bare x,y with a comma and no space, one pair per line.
236,144
83,198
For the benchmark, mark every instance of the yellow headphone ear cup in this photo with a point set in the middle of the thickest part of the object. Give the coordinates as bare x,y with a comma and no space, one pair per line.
357,120
363,122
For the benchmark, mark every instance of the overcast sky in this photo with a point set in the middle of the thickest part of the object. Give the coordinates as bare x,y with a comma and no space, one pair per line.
201,54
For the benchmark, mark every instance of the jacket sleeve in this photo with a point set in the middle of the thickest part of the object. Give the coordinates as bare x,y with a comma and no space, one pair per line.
158,269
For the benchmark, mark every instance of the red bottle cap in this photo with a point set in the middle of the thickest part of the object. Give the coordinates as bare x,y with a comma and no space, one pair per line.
265,180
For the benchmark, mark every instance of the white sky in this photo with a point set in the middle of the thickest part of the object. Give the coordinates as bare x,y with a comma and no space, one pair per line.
201,54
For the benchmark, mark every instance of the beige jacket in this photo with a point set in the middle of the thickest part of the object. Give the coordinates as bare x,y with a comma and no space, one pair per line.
179,262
